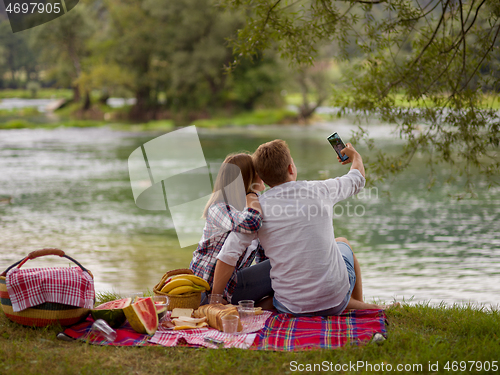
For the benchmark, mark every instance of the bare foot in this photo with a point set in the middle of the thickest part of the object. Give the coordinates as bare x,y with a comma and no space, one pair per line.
266,303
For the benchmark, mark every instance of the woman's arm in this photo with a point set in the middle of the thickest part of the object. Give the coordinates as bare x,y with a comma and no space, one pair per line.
222,273
234,247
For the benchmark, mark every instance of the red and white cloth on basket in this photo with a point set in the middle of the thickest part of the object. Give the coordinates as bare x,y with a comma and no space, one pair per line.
33,286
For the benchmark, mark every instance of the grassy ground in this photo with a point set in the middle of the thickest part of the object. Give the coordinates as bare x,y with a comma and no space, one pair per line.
40,94
422,339
17,120
257,117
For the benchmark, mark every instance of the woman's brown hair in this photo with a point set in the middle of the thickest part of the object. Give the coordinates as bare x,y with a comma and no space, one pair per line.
226,187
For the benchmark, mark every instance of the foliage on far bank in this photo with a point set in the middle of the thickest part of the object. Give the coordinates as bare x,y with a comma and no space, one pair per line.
244,118
168,55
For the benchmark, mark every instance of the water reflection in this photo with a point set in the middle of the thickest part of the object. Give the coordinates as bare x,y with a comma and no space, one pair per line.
71,190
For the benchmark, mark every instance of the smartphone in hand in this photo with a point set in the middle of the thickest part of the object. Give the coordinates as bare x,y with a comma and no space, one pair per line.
337,145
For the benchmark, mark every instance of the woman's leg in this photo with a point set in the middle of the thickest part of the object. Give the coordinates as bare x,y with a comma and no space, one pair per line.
254,283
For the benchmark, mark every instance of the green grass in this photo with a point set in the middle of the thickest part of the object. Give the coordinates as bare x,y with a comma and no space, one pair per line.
156,125
295,98
19,112
44,93
257,117
16,124
22,123
160,125
418,335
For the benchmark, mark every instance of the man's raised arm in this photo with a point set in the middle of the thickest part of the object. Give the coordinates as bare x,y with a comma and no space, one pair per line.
354,158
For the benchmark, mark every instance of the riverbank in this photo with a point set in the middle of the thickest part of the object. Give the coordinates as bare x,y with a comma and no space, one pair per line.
23,119
115,114
421,339
20,110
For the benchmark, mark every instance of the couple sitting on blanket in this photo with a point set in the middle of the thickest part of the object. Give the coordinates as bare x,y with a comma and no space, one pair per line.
288,231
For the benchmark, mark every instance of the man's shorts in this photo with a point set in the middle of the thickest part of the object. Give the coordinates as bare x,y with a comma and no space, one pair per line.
348,257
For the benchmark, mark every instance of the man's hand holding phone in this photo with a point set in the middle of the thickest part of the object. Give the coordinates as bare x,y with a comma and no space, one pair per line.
350,152
354,158
346,154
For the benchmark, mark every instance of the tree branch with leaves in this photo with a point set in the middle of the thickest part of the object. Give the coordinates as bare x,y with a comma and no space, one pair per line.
437,57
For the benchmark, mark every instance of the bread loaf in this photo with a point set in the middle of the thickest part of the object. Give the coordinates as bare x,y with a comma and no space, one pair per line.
214,314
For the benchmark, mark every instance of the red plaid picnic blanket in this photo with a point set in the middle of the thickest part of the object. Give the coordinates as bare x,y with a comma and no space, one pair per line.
33,286
125,335
196,337
283,332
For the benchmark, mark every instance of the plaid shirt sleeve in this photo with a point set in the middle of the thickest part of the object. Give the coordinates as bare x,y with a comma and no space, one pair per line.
229,219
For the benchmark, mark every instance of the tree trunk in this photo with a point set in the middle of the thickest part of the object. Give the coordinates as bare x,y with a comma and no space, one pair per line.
86,102
76,94
142,104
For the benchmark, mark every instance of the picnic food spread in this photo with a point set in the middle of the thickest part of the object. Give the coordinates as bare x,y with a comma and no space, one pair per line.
181,295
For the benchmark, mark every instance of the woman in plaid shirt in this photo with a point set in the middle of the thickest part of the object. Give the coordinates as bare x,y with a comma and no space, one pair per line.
230,210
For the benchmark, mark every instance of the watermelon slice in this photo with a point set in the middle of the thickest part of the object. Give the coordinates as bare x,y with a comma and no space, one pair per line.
112,312
142,316
160,304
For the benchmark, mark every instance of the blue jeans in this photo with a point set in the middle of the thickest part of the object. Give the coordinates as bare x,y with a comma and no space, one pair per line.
348,257
253,283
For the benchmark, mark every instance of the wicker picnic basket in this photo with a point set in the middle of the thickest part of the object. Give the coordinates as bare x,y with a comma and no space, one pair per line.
186,301
46,313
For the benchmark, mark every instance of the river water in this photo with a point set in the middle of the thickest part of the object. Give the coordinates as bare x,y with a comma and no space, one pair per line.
70,189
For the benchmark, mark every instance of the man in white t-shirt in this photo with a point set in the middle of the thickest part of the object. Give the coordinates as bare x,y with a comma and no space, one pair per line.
312,272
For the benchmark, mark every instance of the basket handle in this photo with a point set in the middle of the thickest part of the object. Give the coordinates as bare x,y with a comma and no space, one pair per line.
43,252
40,253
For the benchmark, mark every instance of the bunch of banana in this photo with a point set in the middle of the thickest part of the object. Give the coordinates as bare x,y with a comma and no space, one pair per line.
183,284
